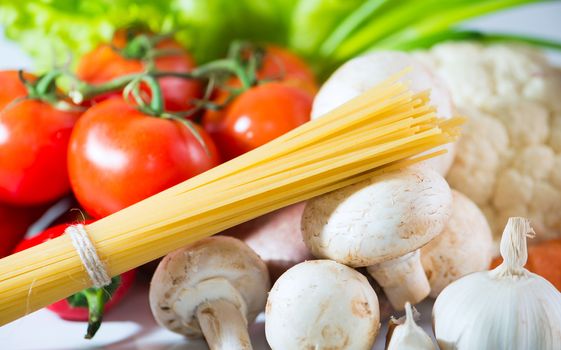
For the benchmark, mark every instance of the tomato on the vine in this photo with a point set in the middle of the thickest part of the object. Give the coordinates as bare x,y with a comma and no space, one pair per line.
258,116
105,63
33,146
12,87
279,63
119,156
265,112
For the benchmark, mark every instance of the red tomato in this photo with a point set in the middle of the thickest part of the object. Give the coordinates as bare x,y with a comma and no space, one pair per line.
278,65
281,65
279,62
258,116
12,87
14,222
33,146
104,64
119,156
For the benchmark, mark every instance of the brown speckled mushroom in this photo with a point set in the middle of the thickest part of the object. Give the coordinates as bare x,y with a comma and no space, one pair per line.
321,304
386,309
465,245
212,288
380,224
276,238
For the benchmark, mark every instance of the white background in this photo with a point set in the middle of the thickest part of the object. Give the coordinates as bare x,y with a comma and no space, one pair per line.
130,325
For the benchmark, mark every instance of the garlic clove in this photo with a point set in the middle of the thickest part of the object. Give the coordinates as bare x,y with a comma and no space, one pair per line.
408,335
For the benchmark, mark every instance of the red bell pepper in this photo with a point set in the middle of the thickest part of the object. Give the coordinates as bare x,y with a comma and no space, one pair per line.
89,304
14,222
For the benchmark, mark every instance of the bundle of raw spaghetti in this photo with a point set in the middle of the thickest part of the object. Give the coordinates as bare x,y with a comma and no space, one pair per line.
382,128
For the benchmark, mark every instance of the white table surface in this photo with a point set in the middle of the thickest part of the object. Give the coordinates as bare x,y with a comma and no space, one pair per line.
130,326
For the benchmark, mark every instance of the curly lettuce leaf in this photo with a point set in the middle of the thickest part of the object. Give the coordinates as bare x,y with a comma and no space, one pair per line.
53,31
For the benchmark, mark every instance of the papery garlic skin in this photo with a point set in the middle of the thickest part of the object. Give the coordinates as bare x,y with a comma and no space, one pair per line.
480,311
508,308
409,336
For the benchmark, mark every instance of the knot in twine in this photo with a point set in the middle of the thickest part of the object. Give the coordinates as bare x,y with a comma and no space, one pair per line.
86,250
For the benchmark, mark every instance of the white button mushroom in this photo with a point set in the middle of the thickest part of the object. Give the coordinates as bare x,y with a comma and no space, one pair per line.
381,223
276,238
363,72
212,288
465,245
321,304
386,308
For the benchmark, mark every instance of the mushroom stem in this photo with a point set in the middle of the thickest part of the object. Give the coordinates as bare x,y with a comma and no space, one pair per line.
223,325
402,279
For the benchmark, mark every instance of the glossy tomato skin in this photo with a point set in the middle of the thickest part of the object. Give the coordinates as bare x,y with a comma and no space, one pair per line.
33,146
12,87
293,71
278,65
104,64
258,116
119,156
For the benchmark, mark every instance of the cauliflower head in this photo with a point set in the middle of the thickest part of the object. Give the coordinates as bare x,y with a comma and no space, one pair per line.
508,158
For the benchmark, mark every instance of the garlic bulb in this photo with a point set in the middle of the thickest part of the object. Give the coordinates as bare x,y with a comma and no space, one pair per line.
505,308
409,336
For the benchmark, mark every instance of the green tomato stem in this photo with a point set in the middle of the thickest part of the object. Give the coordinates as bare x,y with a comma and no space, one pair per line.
137,48
191,127
157,99
83,91
226,65
46,85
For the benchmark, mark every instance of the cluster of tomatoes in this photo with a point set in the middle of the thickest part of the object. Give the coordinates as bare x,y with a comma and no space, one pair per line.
111,151
138,118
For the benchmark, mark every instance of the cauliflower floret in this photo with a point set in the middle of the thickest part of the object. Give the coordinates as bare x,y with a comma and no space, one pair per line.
509,156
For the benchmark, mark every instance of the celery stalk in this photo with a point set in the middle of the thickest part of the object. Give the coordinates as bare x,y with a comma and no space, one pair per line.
369,10
442,21
395,20
458,34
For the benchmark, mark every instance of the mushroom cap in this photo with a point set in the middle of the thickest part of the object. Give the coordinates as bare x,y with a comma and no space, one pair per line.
364,72
321,304
276,238
465,245
379,219
210,269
